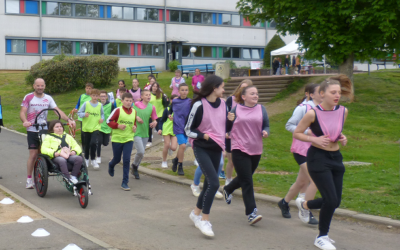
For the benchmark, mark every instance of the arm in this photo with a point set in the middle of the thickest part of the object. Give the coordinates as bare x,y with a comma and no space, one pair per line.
163,118
298,114
171,108
78,104
265,124
154,114
81,111
229,103
46,148
298,134
229,123
74,145
165,101
113,118
22,116
194,121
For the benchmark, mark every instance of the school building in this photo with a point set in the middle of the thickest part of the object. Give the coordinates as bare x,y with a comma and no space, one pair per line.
139,32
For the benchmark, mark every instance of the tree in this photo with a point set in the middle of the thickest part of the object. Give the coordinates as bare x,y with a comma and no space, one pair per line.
344,31
275,43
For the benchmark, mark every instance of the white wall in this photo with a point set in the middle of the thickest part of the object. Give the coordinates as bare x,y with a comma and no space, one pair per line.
139,2
135,62
221,5
364,66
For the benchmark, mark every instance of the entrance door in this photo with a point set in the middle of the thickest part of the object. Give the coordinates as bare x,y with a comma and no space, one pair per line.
174,52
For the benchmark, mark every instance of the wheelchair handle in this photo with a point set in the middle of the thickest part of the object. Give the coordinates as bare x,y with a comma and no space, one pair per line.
43,125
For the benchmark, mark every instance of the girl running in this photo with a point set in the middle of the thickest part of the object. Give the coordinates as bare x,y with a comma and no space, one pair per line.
206,125
160,101
324,160
148,85
231,103
167,131
135,91
176,81
249,126
121,84
303,186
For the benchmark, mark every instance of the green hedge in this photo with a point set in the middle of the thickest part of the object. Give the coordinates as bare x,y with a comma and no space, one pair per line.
63,73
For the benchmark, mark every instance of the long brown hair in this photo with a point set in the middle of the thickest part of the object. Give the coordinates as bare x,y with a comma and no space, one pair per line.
309,88
238,91
345,83
158,92
52,124
243,92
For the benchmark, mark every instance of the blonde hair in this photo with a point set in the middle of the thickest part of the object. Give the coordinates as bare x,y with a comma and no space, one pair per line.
95,92
237,94
343,81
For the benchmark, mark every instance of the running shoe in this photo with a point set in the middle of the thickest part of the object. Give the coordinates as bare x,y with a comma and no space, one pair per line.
253,218
196,163
180,169
87,162
73,179
324,243
174,164
314,221
222,175
227,197
164,164
95,164
205,227
110,171
29,183
304,214
149,144
194,217
195,190
98,160
219,195
125,187
284,206
135,171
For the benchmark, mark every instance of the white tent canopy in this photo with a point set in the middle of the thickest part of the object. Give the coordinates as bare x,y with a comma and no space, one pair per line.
289,49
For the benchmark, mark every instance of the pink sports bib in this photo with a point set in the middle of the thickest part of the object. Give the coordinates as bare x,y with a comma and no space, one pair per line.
331,122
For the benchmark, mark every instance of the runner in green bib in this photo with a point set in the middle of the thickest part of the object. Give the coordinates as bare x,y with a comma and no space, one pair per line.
160,102
82,99
118,101
105,130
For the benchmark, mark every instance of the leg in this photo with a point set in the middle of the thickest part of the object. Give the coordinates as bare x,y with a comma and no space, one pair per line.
181,152
33,147
229,166
300,185
167,141
77,161
62,163
139,150
127,151
88,138
31,161
197,176
82,137
150,131
174,143
117,153
93,145
99,143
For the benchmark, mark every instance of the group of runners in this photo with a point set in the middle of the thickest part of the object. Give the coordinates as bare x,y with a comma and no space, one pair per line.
214,127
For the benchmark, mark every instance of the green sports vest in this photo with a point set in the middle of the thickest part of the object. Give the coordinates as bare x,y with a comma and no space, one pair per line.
145,114
167,128
122,136
91,123
107,111
118,102
84,98
157,103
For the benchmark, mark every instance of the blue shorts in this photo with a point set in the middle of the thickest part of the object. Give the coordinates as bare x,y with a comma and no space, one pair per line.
182,139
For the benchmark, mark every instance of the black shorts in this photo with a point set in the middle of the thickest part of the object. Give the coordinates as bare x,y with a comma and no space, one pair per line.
33,139
228,145
299,158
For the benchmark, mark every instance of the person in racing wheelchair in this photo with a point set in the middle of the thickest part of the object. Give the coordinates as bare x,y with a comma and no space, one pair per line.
63,149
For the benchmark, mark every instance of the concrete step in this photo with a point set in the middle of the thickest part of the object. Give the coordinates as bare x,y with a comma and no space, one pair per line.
260,82
272,86
264,99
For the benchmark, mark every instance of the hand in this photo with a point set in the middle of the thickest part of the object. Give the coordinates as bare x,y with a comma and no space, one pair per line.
265,134
72,153
133,129
27,124
72,123
121,126
159,132
86,114
139,120
343,140
321,141
74,110
206,137
153,124
56,154
227,136
170,118
101,121
231,116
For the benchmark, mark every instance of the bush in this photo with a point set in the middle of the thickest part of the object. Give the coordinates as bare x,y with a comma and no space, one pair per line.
275,43
173,65
232,64
63,73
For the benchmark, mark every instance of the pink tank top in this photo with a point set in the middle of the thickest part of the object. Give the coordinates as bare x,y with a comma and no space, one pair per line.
246,134
331,122
175,88
136,96
300,147
213,122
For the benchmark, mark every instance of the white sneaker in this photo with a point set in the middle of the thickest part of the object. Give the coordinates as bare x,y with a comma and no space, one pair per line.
162,139
196,163
205,227
169,151
164,164
324,243
98,160
219,195
194,217
95,164
73,179
304,214
29,183
87,163
149,144
195,190
227,181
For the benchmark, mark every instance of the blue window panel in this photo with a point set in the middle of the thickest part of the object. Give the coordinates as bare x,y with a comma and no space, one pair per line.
108,11
262,53
214,18
8,46
44,47
101,11
31,7
220,19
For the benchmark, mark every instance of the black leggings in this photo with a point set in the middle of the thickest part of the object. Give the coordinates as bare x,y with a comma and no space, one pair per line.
208,160
90,144
103,139
326,170
245,165
151,129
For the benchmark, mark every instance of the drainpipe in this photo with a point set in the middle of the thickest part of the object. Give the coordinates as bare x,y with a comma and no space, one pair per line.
40,29
165,33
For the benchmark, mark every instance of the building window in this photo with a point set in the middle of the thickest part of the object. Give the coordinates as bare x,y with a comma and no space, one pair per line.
186,50
236,20
207,18
198,52
18,46
80,9
185,16
86,48
174,15
52,8
226,52
246,54
158,50
92,10
65,9
112,48
53,47
152,50
124,49
140,14
128,13
98,48
147,50
152,14
66,47
116,12
272,24
207,51
255,53
12,6
226,19
197,17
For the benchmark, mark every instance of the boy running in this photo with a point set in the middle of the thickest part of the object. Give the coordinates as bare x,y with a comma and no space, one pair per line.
105,130
82,99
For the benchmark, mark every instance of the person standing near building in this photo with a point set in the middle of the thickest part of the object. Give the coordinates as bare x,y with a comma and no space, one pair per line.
176,81
298,64
287,64
197,79
249,125
32,104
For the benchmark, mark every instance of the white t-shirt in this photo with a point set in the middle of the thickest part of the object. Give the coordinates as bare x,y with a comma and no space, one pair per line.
34,106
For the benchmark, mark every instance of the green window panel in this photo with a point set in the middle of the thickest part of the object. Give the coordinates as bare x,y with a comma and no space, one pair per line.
214,52
77,48
221,52
44,8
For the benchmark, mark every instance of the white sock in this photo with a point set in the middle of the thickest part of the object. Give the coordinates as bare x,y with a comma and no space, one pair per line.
302,195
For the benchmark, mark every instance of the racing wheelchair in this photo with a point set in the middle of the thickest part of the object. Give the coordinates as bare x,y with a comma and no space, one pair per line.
44,167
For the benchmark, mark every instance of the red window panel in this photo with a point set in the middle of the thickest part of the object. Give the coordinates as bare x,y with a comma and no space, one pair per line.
167,16
21,6
132,49
139,49
32,46
160,15
246,22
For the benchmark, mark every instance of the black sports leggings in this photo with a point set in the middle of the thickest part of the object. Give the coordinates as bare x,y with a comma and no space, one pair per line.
208,160
326,170
151,129
245,165
103,139
90,144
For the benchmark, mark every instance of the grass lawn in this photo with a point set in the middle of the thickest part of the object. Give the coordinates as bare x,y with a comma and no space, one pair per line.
372,130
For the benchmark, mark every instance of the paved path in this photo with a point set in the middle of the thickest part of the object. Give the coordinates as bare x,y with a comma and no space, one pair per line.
154,214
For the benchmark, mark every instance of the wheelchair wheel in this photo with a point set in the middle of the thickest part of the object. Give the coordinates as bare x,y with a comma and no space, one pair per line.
83,196
41,176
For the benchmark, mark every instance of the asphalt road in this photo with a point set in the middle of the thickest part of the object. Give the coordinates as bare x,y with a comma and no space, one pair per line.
154,214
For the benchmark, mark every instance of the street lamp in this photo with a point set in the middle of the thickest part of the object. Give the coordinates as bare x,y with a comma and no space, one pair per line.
193,50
